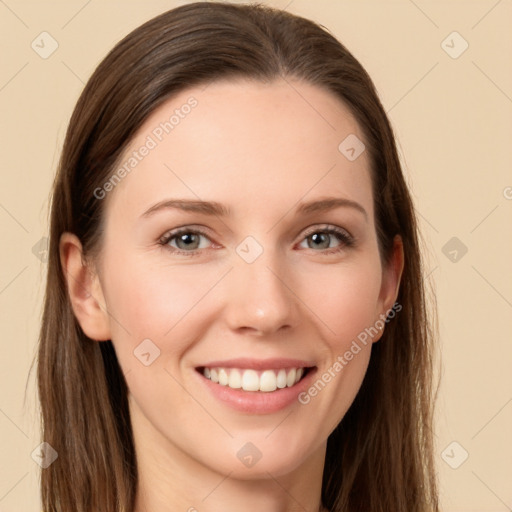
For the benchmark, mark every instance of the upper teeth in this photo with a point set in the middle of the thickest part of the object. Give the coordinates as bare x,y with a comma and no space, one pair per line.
251,380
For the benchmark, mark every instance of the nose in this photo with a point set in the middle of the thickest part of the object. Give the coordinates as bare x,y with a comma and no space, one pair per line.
260,298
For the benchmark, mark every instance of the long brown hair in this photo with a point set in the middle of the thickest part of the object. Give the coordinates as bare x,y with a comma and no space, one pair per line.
380,457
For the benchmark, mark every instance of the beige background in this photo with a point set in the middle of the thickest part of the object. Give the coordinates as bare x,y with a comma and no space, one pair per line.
453,119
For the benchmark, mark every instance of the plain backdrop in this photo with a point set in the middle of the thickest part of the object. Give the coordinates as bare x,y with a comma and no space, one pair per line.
443,72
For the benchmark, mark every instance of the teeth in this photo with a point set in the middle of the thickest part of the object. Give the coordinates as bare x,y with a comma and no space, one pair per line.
268,381
235,379
290,378
251,380
223,377
281,378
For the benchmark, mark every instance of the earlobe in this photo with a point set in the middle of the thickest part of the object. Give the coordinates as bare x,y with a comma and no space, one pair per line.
84,289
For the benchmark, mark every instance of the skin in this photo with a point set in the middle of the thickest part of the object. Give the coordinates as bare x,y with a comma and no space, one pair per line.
259,149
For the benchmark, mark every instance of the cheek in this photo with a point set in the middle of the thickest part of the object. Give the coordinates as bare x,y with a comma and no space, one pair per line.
346,302
345,298
158,302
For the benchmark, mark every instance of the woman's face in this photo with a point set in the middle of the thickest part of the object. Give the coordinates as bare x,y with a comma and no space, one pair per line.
240,250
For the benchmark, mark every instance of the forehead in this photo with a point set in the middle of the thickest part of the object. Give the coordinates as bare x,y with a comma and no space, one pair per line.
248,144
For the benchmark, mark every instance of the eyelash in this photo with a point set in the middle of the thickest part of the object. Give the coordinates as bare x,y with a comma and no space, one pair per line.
346,240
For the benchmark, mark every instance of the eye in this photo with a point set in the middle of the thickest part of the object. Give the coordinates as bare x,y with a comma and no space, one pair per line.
321,238
184,240
190,242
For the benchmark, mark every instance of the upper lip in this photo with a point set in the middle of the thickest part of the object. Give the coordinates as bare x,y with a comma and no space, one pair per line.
259,364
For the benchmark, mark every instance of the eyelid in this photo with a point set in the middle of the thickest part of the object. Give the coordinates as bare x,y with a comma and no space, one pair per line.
173,233
326,227
193,228
347,239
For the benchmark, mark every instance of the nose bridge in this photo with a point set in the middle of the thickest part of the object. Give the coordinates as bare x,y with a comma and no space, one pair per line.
259,297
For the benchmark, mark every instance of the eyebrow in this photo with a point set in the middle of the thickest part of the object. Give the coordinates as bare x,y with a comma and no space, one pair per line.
330,203
217,209
189,205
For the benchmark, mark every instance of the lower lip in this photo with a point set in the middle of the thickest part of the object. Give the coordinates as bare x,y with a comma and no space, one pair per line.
258,402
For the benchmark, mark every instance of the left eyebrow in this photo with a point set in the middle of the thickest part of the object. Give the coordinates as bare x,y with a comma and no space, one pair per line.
330,203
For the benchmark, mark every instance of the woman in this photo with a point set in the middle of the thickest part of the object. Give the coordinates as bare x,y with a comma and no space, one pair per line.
235,313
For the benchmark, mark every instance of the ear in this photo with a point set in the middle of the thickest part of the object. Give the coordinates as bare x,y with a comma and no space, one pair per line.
84,289
391,277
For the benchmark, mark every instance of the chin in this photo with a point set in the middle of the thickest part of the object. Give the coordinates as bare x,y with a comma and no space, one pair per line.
256,459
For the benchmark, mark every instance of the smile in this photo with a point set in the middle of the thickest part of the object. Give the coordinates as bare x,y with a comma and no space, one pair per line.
254,380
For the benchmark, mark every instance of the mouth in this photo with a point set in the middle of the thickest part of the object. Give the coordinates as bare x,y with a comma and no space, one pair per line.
265,380
256,386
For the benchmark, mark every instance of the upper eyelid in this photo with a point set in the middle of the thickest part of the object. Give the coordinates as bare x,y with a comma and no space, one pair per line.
325,227
186,228
203,231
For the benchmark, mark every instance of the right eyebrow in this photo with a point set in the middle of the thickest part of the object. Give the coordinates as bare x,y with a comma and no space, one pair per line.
189,205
